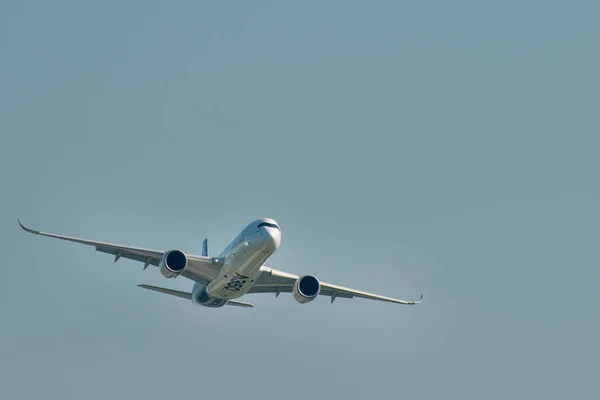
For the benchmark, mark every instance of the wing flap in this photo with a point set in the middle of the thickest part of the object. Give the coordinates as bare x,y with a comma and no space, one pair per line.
130,256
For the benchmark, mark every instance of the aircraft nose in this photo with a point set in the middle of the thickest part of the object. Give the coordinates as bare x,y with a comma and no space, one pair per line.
275,236
272,238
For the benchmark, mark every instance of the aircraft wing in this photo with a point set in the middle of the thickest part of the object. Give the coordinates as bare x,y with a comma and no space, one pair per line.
200,269
274,281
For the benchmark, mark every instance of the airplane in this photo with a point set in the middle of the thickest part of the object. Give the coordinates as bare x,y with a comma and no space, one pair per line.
236,271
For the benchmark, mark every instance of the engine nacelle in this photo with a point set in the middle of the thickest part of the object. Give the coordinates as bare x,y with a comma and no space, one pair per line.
306,289
173,263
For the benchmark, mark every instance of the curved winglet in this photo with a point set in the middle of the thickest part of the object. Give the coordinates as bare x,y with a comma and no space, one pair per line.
420,300
26,229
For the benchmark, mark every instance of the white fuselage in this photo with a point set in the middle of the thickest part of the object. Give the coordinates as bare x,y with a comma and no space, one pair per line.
242,260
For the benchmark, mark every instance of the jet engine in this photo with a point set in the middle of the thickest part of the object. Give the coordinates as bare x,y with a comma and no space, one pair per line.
306,289
173,263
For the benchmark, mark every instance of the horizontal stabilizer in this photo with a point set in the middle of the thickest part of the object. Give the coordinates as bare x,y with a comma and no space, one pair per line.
188,296
239,304
176,293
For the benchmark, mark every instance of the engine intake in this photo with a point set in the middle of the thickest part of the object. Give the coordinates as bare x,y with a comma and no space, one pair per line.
173,263
306,289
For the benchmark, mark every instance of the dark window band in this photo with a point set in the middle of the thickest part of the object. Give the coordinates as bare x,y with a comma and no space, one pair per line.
268,225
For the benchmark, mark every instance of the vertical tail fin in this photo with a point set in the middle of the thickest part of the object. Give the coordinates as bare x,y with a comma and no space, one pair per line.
205,248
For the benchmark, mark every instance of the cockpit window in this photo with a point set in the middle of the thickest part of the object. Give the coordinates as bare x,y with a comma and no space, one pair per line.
267,224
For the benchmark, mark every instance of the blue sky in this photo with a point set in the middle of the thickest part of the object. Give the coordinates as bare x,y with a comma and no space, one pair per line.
443,148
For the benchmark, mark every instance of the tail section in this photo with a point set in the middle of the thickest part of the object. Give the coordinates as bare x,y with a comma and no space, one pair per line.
205,248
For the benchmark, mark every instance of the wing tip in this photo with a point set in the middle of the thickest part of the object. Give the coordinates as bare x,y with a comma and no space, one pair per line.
411,303
26,229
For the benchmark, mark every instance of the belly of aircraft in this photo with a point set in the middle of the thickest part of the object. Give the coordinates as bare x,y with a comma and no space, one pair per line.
242,267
